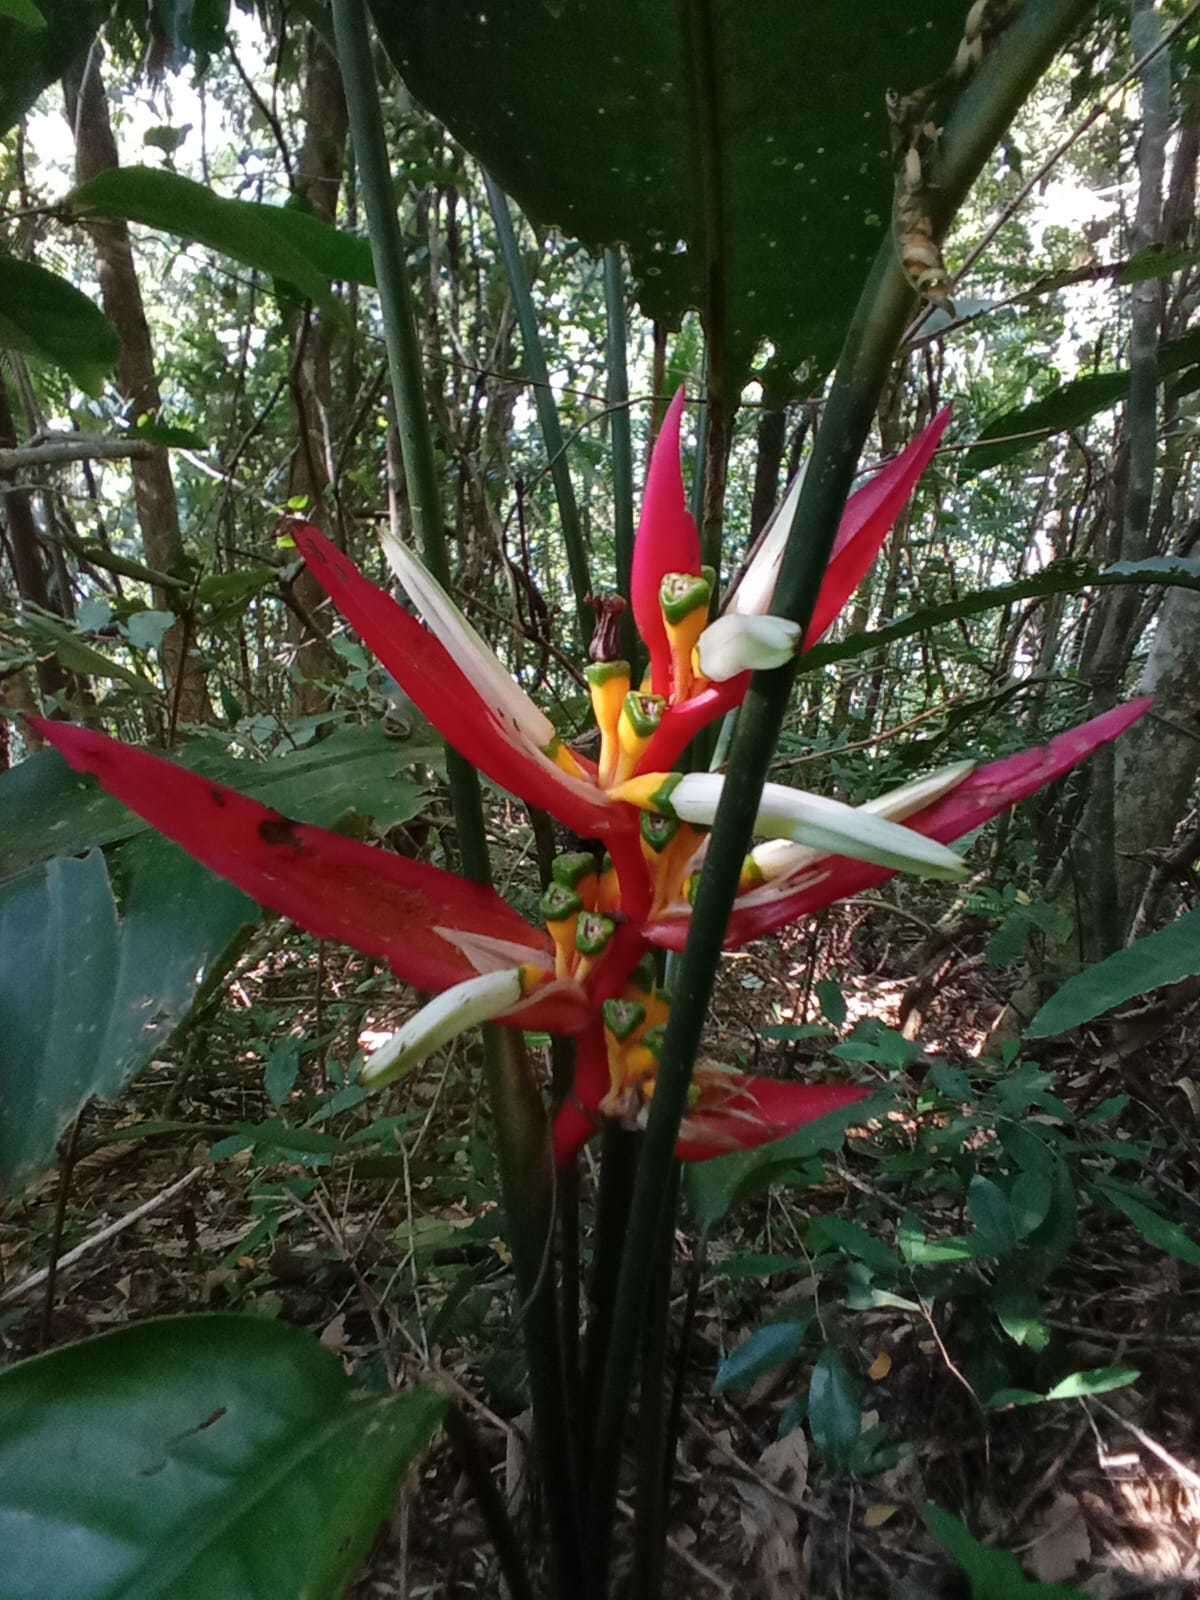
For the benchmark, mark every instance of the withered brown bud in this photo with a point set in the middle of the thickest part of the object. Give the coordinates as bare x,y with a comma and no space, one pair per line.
606,644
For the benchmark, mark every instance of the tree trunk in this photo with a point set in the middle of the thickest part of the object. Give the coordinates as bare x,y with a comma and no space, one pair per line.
1104,920
29,567
153,485
317,184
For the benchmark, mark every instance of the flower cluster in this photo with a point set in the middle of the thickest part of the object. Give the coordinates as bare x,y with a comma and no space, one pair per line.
591,971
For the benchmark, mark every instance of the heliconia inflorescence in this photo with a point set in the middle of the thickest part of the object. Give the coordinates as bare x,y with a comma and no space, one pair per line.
589,970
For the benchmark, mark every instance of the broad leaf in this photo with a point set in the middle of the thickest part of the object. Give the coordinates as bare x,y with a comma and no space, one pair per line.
1156,1229
94,979
32,58
1171,954
834,1416
24,12
993,1574
283,241
589,116
44,316
196,1457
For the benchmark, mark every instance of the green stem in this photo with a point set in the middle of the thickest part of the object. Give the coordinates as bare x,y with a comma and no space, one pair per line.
522,1141
618,1163
527,1188
404,365
495,1516
617,400
980,116
655,1448
547,409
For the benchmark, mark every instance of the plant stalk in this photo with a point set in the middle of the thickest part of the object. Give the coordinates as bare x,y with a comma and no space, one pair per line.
980,116
547,408
617,401
352,34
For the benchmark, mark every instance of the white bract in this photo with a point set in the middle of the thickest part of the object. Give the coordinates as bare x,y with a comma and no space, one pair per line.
822,824
452,1012
780,858
734,644
753,595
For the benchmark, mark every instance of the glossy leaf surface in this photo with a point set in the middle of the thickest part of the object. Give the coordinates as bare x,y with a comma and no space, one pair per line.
94,979
196,1457
287,243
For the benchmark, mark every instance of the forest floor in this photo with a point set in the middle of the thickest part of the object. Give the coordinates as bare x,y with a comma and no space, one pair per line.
393,1262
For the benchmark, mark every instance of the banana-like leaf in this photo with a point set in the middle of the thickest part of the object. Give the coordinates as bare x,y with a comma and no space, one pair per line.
32,58
284,241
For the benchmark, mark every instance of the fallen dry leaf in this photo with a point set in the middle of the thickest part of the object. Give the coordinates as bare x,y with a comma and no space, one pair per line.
1062,1545
880,1367
876,1516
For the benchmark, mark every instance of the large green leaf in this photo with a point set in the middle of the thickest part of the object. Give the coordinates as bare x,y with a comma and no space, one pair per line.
586,114
283,241
1168,956
1069,406
24,12
33,58
48,810
44,316
196,1458
94,979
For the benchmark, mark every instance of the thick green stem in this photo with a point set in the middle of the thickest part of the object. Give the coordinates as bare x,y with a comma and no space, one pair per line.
527,1187
980,116
522,1143
617,400
656,1444
495,1516
547,409
404,365
618,1163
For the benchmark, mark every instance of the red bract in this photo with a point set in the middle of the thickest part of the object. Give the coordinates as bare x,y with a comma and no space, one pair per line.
667,541
870,515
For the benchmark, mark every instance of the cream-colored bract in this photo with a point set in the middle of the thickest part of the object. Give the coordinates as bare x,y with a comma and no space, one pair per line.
527,728
780,858
470,650
735,644
443,1018
823,824
753,595
486,953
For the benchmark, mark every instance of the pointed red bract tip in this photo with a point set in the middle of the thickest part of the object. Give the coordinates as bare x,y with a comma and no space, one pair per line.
740,1113
981,796
443,693
667,541
870,515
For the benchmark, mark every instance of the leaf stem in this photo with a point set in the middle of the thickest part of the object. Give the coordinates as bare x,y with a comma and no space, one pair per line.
617,400
496,1518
